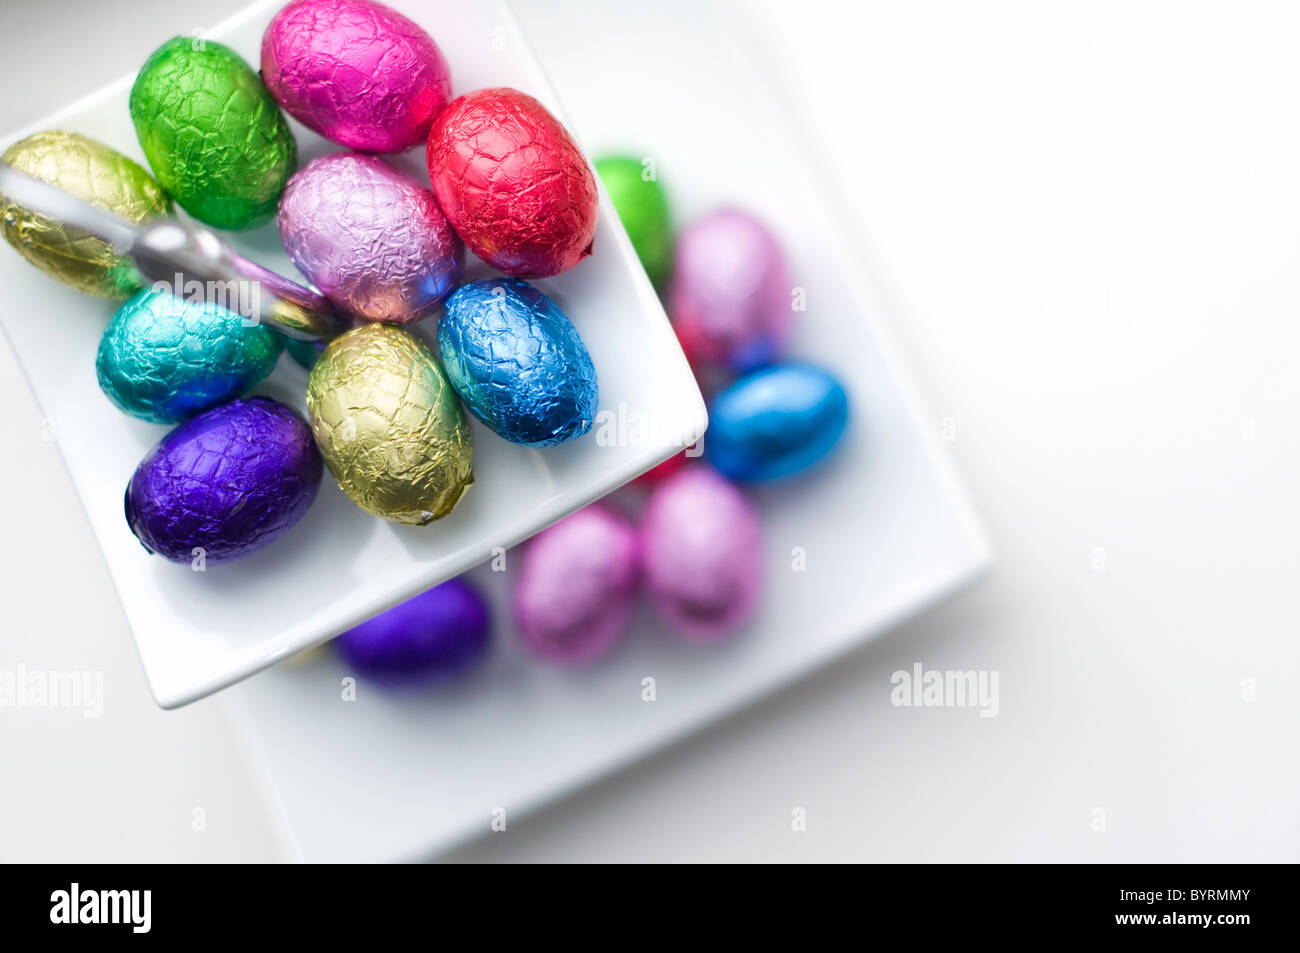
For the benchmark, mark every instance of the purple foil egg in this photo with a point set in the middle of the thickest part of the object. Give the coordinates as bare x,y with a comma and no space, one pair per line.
371,238
730,299
224,484
357,72
575,590
702,554
438,634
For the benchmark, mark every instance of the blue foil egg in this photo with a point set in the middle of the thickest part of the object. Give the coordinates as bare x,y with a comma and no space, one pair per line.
438,634
517,362
776,422
165,359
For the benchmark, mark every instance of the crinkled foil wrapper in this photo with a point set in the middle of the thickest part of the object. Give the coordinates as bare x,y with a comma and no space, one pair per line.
370,238
389,425
213,135
357,72
518,362
513,183
228,482
93,172
164,359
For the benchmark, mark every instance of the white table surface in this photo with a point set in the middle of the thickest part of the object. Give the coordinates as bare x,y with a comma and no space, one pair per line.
1084,220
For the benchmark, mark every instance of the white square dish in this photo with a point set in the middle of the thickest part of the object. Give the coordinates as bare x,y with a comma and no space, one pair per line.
884,527
198,632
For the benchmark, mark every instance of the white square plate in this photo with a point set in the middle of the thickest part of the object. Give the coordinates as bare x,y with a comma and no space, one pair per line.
884,526
198,632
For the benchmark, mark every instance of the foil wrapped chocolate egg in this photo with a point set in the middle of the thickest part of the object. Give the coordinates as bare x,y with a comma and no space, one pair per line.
575,590
513,183
642,207
730,299
369,237
776,422
702,552
213,135
93,172
357,72
517,362
227,483
389,426
437,635
165,359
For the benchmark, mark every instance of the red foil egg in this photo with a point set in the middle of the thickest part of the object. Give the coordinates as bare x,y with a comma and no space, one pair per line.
512,183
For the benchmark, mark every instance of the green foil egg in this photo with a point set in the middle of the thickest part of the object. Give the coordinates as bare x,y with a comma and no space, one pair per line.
389,425
93,172
215,138
642,207
165,359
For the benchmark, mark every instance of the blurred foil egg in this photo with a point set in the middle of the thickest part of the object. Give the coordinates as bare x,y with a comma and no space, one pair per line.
702,551
370,238
730,299
776,422
436,635
357,72
575,591
642,207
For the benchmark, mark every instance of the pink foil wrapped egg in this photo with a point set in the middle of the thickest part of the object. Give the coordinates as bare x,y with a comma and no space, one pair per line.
369,237
357,72
730,300
513,183
701,553
576,587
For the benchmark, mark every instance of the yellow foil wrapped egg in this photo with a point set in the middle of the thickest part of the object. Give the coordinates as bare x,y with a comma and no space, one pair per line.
389,425
95,173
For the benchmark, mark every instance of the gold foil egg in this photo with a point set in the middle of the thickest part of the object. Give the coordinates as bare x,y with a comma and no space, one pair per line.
97,174
389,425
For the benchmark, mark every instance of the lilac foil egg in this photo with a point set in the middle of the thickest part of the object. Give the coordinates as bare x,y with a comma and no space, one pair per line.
224,484
575,590
702,553
370,238
357,72
437,635
730,299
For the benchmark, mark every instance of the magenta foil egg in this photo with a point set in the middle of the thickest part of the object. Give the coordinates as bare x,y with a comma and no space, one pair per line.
730,300
576,586
357,72
702,554
371,238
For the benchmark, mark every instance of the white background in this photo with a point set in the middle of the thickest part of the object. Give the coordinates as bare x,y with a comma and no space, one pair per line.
1085,220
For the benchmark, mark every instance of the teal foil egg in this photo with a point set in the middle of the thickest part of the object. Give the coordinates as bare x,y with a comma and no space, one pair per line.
304,352
776,422
517,362
165,359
